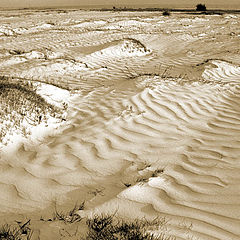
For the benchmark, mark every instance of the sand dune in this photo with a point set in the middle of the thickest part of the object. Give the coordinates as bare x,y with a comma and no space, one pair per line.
157,111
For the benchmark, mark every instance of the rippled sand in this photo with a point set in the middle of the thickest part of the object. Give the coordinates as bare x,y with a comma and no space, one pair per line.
155,107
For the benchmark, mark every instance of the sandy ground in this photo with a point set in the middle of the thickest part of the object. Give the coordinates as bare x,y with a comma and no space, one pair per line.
156,109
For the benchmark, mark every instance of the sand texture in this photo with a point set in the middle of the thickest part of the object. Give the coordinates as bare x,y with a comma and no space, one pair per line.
153,120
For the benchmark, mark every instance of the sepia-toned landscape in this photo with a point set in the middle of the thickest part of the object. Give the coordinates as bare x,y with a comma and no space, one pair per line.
119,116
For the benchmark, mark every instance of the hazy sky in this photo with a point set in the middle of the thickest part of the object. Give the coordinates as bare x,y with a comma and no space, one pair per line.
161,3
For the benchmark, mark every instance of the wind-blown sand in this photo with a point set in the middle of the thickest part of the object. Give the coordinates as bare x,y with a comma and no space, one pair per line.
154,104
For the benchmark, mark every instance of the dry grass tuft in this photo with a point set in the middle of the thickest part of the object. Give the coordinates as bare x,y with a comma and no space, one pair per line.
19,232
20,104
71,216
107,227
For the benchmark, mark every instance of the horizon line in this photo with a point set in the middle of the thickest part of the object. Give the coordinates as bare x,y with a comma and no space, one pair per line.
133,6
110,6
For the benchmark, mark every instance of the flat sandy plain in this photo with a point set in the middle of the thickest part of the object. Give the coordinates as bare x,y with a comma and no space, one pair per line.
153,120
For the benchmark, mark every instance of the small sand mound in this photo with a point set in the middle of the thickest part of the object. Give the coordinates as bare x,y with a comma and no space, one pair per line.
222,71
119,50
134,47
126,48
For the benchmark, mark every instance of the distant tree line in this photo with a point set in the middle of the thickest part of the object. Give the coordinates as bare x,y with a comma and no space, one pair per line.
166,12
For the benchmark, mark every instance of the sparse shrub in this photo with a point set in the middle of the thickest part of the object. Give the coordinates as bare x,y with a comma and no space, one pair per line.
19,232
101,228
16,52
19,102
110,228
201,7
96,192
157,172
133,231
71,216
166,13
8,232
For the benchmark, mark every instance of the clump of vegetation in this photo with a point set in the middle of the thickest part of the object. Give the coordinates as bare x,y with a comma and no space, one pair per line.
106,227
16,52
20,105
18,232
71,216
157,172
166,13
201,7
100,227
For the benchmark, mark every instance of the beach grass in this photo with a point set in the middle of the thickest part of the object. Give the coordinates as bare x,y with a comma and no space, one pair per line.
22,106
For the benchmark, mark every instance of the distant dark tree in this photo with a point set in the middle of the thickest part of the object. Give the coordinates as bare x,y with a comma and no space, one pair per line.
201,7
114,8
